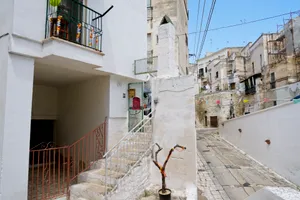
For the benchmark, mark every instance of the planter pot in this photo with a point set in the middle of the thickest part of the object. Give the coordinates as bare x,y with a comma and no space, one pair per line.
166,195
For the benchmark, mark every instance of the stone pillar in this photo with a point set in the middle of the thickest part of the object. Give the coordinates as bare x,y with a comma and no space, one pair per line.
174,118
16,83
166,51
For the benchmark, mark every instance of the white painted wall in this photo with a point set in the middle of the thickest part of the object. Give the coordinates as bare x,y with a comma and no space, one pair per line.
44,102
174,118
124,33
82,107
6,17
119,23
118,109
16,82
174,123
256,50
280,125
29,18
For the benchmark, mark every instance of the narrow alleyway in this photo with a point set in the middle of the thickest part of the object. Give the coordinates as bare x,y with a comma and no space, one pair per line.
224,173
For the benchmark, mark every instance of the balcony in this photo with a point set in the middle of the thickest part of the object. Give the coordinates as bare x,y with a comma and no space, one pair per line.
74,22
149,13
251,90
146,65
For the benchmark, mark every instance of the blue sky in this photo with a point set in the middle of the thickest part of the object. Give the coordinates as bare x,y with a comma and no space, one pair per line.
229,12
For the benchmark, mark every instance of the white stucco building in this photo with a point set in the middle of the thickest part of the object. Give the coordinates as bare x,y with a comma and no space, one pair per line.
63,81
212,69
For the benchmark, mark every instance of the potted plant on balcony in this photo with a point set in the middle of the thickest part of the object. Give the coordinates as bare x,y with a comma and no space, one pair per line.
165,193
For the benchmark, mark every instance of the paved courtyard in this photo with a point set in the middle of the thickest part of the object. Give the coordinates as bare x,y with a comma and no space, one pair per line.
224,173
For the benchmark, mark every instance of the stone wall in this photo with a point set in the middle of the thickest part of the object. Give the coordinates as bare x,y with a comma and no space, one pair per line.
206,105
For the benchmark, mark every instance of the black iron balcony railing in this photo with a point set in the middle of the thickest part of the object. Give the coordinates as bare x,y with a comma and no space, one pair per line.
251,90
72,21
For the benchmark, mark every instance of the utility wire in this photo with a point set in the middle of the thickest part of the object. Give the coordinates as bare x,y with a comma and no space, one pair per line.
244,23
207,26
199,3
200,27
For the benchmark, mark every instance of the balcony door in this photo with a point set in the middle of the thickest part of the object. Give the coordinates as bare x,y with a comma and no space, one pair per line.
72,12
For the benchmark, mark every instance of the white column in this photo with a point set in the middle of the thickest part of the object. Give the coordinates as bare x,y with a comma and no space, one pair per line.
166,51
16,82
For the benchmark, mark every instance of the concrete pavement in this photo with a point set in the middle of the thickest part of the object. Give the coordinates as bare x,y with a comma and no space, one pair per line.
224,173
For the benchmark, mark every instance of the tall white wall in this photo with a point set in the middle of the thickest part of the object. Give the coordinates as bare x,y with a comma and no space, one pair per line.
174,118
44,102
280,125
16,82
174,123
118,109
6,17
124,33
82,107
29,18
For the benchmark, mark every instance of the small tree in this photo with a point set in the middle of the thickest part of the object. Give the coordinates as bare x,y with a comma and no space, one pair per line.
163,168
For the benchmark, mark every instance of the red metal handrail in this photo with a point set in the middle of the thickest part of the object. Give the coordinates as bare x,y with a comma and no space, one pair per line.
53,169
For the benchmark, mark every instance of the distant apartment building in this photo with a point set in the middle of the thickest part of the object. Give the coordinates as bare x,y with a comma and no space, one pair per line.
264,73
284,54
177,11
213,69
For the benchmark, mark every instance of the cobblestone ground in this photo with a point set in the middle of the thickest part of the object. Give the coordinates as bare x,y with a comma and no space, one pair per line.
224,173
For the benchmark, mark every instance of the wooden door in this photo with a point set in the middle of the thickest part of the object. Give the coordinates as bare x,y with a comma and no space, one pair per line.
214,121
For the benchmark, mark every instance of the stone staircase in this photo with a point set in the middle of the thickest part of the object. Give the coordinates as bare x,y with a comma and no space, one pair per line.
106,174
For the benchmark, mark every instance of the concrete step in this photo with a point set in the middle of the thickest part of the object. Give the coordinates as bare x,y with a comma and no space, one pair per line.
150,198
130,153
75,198
141,137
140,144
116,164
97,176
88,191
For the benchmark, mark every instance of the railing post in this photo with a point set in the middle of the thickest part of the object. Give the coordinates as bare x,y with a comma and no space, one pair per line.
105,178
106,144
68,172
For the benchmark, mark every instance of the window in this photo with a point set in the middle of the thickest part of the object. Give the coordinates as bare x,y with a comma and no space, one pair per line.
253,69
149,41
260,59
217,74
186,40
157,39
273,81
205,69
232,86
201,72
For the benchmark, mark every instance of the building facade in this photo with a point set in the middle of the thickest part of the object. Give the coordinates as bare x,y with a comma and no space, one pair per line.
177,11
65,63
264,73
213,69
